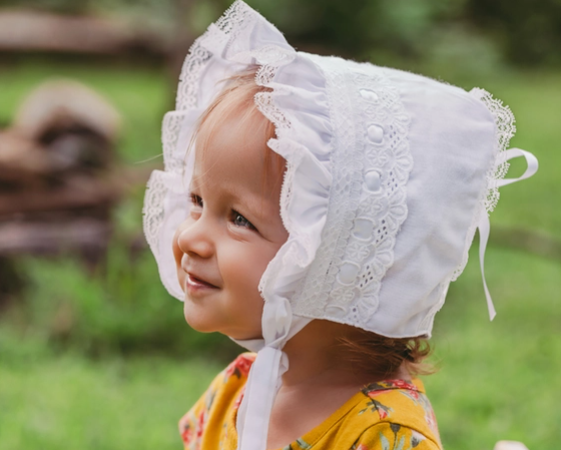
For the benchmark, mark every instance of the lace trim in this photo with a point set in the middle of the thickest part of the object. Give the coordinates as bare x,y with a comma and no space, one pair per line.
505,129
233,22
504,121
153,210
266,104
193,66
233,19
272,58
288,147
171,129
367,198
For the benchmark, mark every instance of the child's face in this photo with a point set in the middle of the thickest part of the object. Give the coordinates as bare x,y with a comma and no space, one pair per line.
233,231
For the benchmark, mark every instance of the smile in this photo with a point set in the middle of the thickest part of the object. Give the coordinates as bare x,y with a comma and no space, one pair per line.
194,284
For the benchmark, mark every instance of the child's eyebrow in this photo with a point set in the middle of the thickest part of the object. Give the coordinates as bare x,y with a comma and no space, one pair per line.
258,205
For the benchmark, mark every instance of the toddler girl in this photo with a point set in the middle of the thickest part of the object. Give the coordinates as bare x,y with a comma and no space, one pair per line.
315,210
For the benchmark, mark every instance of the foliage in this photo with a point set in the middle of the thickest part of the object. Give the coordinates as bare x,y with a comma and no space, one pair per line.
400,26
119,308
521,31
85,6
529,30
68,401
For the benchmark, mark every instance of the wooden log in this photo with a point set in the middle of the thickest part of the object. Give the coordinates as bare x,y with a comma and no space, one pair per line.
22,160
78,192
26,30
82,234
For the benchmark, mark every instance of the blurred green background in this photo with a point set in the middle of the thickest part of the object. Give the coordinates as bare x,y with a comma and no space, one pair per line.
100,358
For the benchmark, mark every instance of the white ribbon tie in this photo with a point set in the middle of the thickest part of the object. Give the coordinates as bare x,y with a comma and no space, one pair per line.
485,227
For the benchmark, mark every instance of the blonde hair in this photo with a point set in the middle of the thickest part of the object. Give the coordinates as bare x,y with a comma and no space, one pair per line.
382,356
238,98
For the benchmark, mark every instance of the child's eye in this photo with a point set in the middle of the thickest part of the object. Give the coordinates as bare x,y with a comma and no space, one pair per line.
241,221
196,200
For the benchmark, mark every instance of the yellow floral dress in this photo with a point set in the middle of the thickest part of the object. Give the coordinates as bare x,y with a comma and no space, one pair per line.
387,415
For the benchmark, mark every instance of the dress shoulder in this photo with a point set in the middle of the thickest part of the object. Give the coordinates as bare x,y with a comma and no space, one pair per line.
205,419
389,436
399,409
386,415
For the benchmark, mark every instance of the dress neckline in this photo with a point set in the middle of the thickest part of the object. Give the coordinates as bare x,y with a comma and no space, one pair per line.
310,438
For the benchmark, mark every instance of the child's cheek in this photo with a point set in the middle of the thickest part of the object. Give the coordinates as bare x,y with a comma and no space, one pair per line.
178,254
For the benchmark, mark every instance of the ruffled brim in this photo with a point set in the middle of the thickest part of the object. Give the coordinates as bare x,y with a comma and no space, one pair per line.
298,107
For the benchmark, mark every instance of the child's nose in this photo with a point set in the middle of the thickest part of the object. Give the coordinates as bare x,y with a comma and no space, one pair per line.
193,238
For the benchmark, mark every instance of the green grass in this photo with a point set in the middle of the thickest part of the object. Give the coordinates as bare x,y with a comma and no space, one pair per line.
500,379
68,401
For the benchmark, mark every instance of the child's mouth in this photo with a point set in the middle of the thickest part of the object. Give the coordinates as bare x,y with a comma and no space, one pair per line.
194,283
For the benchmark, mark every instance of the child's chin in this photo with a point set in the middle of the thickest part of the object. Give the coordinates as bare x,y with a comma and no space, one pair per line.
196,322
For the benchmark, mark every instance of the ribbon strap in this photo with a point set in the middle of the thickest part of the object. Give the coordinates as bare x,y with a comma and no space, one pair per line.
265,376
261,388
485,227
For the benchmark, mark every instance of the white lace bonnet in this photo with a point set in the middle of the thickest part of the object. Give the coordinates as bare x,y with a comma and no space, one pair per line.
389,174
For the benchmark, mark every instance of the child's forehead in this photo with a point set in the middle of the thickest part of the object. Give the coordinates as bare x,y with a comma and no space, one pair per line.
234,157
230,145
233,137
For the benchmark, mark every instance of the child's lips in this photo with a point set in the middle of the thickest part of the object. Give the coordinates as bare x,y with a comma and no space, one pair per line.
194,283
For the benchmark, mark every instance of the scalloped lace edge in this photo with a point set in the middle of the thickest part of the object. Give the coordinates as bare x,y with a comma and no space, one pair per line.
505,129
186,99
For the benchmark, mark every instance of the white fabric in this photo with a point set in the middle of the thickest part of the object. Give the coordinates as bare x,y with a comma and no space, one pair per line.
510,445
485,227
252,421
388,176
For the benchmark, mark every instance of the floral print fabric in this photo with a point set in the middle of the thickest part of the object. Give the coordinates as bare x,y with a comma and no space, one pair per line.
386,415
